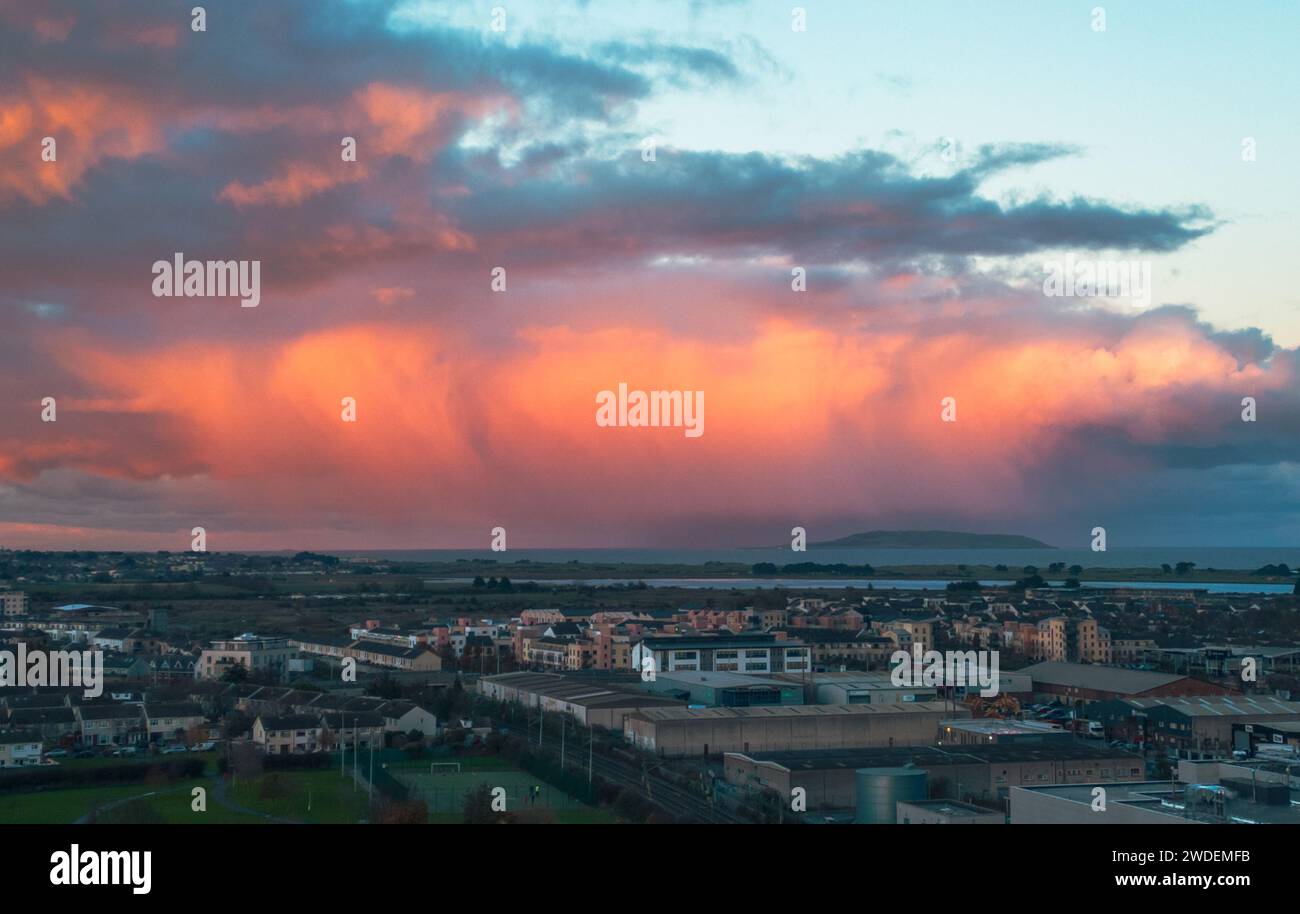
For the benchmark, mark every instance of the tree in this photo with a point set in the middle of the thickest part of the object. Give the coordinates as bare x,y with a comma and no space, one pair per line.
478,806
412,812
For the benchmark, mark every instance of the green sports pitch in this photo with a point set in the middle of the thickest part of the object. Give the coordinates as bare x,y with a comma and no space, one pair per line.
444,789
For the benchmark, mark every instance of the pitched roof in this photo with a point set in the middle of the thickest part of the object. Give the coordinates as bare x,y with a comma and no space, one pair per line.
276,722
1099,678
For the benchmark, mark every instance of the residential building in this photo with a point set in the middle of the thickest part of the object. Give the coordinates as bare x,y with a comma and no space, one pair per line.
260,656
19,748
287,734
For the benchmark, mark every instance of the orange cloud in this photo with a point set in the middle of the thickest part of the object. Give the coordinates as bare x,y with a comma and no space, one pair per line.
798,418
88,124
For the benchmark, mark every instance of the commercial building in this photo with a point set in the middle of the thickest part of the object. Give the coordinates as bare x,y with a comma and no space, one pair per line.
1082,682
689,731
1227,802
590,702
865,689
1192,727
1274,736
725,690
986,730
757,654
946,812
983,772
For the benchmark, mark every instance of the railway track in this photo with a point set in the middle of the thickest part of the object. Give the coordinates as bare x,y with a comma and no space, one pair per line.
672,798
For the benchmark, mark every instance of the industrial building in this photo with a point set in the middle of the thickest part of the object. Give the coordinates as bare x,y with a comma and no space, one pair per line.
985,730
1274,736
945,812
692,731
1081,682
725,690
865,689
1155,803
1192,727
757,654
983,772
590,703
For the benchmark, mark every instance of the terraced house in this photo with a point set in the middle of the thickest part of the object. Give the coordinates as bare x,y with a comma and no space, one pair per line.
287,734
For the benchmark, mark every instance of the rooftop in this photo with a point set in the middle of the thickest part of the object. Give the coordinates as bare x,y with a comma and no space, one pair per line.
913,707
1100,678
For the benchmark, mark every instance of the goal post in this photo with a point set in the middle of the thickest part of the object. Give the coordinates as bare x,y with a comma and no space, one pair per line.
444,768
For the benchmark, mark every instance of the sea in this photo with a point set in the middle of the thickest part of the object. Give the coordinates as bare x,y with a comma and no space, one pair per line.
1208,557
1244,558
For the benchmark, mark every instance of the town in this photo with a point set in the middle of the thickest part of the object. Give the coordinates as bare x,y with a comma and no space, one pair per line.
246,688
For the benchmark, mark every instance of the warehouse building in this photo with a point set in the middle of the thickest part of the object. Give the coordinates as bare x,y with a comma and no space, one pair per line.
1193,727
945,812
1082,682
866,689
986,730
709,731
725,690
984,773
1156,803
590,703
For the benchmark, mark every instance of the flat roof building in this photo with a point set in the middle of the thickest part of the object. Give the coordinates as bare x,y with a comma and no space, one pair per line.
1152,803
762,654
591,703
726,690
947,812
1194,727
709,731
983,772
997,730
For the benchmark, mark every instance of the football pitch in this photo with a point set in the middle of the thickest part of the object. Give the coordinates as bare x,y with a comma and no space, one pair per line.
445,792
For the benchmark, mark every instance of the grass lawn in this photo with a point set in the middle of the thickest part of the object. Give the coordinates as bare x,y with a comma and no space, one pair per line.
61,806
144,804
286,794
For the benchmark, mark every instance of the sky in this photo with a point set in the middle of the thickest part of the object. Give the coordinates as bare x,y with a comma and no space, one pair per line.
647,179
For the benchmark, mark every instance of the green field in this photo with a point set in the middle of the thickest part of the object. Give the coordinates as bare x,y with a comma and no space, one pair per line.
133,803
326,796
332,798
444,793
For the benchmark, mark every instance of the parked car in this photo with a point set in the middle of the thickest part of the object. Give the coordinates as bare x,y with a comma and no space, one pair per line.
205,746
57,753
172,750
85,753
125,751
